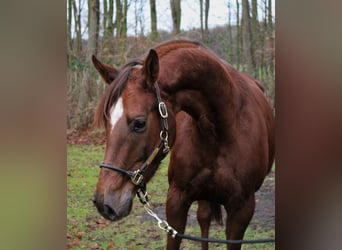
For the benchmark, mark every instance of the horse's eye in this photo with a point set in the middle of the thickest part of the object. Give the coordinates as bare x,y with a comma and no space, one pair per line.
139,126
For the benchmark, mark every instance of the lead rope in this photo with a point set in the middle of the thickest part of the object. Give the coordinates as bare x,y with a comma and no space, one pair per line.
162,224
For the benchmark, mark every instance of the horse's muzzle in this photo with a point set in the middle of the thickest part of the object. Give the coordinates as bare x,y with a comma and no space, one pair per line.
111,212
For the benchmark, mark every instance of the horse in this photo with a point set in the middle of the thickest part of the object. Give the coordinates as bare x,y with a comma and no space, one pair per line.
217,122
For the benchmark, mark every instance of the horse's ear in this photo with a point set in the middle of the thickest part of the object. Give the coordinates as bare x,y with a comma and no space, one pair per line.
108,73
151,67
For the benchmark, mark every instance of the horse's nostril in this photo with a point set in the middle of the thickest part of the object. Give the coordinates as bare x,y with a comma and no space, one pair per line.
110,212
93,200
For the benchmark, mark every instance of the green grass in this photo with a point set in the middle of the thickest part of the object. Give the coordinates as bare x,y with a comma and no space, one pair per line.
86,229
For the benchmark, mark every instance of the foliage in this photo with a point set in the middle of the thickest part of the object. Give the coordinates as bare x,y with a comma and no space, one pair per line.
86,229
77,64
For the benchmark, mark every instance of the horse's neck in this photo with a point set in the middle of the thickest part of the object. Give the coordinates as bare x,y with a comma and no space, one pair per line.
205,93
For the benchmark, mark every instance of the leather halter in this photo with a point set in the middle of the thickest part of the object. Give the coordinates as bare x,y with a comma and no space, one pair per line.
137,175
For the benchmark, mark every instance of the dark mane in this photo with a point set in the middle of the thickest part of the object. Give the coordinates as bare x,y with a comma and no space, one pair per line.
113,93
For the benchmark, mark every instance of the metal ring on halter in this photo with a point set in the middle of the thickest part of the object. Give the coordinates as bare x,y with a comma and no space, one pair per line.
162,110
164,135
137,178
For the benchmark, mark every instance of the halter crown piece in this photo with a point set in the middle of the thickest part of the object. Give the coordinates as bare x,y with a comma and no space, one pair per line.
137,175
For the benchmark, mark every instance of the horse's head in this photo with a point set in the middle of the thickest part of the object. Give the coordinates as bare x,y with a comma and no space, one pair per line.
134,126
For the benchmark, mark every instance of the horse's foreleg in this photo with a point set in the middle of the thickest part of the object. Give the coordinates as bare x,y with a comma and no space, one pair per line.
204,218
238,220
176,213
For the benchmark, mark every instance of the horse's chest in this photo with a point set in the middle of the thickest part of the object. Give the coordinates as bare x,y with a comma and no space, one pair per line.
203,183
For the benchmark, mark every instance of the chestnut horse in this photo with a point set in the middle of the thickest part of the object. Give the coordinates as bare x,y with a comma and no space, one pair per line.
216,120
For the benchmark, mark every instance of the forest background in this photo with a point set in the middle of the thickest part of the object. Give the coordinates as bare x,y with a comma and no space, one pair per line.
118,30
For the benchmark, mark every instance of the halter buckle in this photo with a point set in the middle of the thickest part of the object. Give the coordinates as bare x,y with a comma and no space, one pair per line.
137,177
164,137
162,110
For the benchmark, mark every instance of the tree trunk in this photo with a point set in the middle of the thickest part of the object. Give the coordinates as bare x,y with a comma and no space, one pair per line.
121,29
270,35
201,17
248,38
77,19
87,89
238,36
124,20
255,32
118,17
204,21
230,33
270,19
110,25
105,15
207,4
107,39
93,33
176,15
69,26
154,33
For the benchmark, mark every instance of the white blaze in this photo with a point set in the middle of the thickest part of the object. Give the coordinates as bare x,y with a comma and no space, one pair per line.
116,112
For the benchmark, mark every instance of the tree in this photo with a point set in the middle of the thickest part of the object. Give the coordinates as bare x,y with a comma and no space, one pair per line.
154,33
108,30
77,27
201,16
121,19
248,38
230,33
69,42
270,32
207,4
93,32
204,23
238,36
139,18
87,90
176,15
121,28
256,36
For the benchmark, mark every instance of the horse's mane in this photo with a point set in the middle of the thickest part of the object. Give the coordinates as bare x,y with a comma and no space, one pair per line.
113,93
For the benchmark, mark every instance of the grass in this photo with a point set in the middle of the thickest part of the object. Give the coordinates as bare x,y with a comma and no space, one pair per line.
86,229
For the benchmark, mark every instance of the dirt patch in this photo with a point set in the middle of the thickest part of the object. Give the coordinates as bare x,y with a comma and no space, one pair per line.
264,215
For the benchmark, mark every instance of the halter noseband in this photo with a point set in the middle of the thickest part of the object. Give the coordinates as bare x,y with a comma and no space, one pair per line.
137,175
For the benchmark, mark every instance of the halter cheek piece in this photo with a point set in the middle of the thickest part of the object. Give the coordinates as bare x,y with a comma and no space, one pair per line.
137,175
